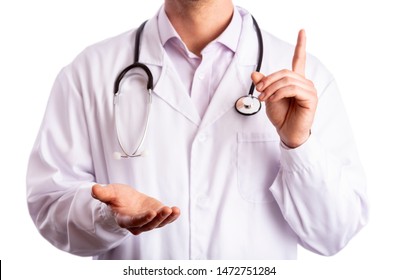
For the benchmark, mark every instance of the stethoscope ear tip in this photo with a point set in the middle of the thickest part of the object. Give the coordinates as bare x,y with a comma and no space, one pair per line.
118,156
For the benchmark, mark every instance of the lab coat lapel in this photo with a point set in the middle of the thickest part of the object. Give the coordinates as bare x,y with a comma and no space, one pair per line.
234,84
237,79
167,86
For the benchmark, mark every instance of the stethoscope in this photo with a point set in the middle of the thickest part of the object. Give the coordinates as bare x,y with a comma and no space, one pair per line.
246,105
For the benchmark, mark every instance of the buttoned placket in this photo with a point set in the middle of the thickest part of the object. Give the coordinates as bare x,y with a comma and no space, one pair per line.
200,202
201,84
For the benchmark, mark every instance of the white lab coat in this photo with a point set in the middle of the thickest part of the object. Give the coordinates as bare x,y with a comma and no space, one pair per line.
241,194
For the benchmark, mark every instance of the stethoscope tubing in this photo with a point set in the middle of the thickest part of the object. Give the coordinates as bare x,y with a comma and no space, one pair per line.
137,150
249,104
116,94
246,105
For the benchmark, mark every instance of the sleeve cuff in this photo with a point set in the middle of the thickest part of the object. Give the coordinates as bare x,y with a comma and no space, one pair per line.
302,157
107,219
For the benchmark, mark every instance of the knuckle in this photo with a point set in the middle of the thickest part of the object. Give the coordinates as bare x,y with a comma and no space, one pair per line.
294,88
315,94
288,80
285,72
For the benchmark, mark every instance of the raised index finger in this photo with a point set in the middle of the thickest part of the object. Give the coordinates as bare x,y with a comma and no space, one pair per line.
299,59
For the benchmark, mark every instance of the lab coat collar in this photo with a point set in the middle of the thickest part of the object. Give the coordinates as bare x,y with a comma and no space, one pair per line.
152,51
234,84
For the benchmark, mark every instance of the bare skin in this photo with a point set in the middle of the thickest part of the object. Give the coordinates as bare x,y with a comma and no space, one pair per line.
291,101
135,211
199,22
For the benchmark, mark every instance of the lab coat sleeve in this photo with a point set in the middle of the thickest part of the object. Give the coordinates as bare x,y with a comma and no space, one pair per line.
60,176
321,187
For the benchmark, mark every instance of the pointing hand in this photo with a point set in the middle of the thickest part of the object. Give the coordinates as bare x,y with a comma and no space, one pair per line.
291,99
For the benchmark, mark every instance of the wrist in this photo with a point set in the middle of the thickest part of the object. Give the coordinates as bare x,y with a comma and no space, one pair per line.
295,142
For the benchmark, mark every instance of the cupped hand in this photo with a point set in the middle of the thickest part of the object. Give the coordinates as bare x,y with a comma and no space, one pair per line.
134,210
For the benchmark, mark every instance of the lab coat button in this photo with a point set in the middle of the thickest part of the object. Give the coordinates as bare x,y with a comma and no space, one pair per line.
202,201
202,137
201,76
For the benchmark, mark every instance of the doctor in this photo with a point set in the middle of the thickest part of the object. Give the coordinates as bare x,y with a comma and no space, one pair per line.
216,184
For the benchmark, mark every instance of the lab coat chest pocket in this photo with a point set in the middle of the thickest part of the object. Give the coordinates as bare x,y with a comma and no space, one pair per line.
258,162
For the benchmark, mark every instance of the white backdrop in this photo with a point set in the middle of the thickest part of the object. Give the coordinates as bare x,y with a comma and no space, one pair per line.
355,39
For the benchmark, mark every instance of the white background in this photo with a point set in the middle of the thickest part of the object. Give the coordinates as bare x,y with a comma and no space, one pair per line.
355,39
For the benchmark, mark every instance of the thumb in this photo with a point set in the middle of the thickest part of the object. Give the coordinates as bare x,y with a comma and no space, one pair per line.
103,193
256,77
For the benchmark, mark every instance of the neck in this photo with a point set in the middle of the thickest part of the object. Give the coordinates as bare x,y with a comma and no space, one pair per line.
198,22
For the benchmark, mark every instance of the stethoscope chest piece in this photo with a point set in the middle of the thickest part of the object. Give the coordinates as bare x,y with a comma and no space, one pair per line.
248,105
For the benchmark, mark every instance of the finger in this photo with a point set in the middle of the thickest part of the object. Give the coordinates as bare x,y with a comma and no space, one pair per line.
258,80
171,218
256,77
299,59
285,77
288,81
105,194
136,221
301,95
157,223
159,219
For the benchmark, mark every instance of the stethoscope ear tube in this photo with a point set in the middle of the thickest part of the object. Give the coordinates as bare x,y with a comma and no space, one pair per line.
137,151
136,64
127,69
